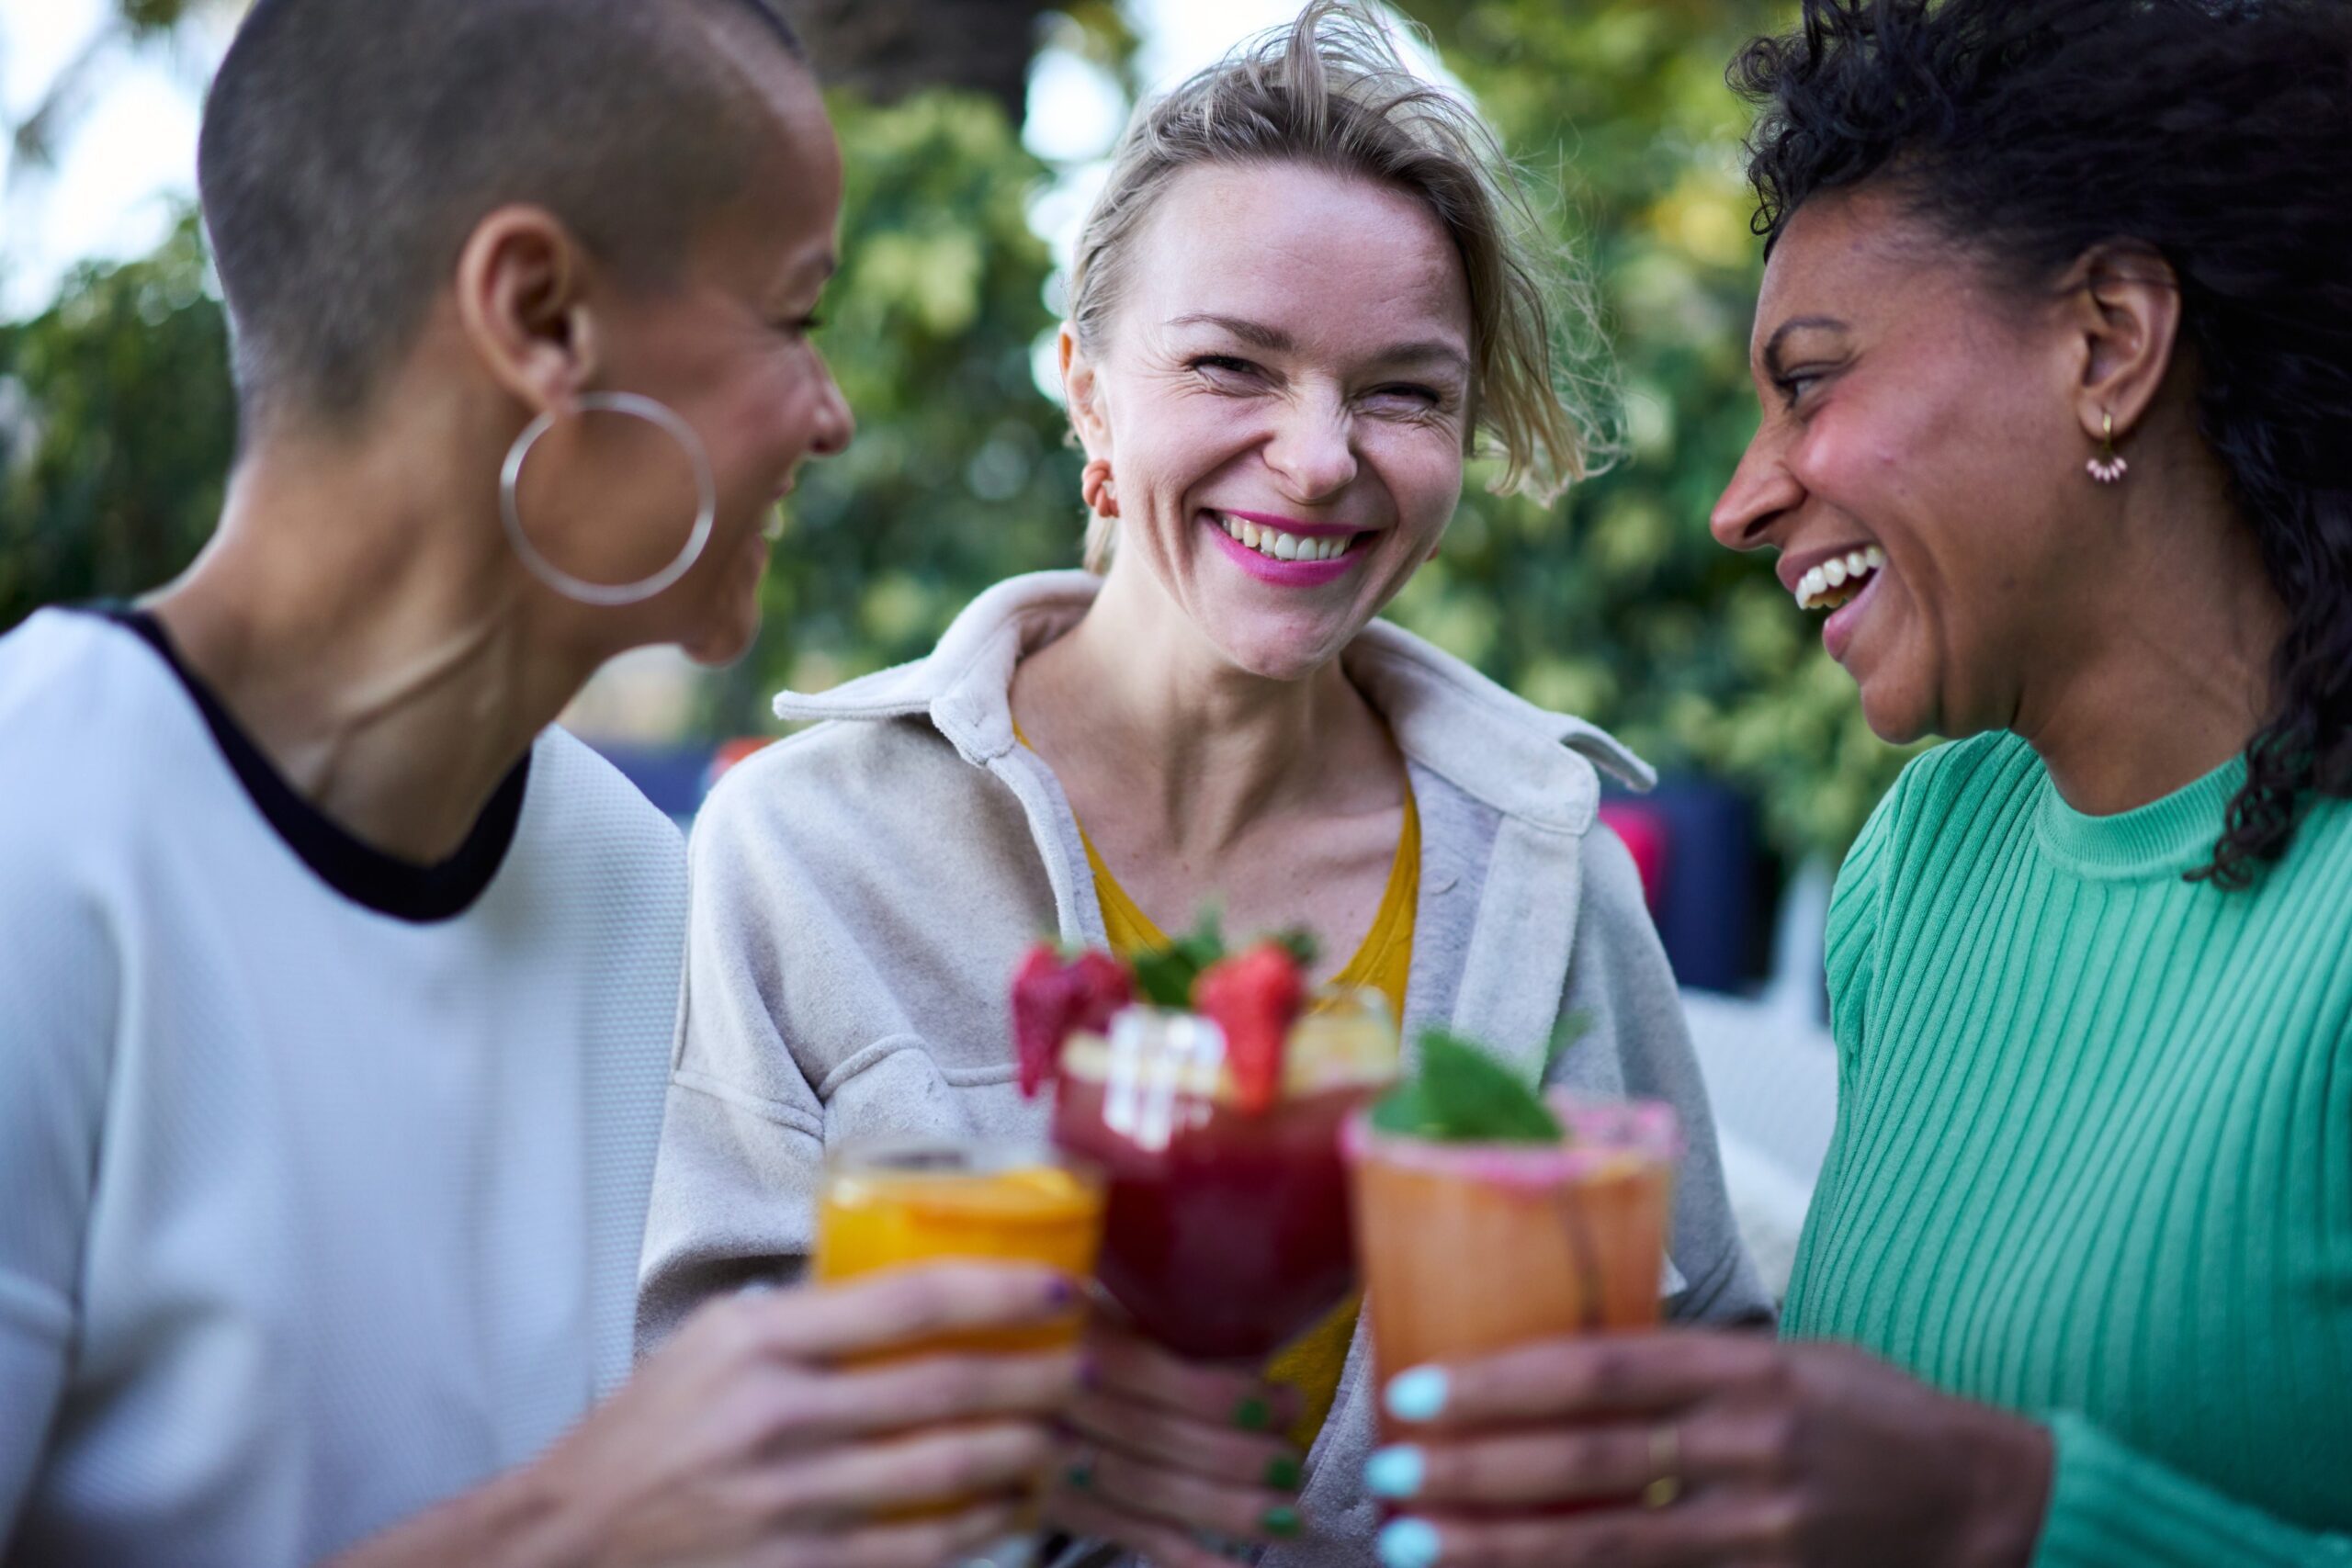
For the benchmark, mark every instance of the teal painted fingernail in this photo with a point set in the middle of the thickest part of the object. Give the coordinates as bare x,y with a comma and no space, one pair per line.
1283,1472
1224,1546
1409,1543
1394,1471
1282,1523
1416,1395
1253,1414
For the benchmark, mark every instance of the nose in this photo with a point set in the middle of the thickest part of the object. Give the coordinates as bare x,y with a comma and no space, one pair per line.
1761,495
835,425
1313,451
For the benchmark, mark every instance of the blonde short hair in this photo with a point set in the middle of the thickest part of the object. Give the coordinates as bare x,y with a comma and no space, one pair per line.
1330,90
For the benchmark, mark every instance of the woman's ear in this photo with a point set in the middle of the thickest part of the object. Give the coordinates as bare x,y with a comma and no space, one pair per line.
522,285
1082,391
2126,308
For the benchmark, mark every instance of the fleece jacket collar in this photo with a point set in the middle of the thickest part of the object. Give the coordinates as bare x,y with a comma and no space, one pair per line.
1498,748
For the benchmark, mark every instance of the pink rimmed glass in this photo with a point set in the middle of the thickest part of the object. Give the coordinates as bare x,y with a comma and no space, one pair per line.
1468,1249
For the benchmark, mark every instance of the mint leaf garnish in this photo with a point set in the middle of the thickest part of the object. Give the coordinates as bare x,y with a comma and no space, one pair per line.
1165,976
1462,1095
1300,943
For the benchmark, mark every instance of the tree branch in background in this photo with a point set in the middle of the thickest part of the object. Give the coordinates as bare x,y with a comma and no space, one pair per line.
35,137
886,50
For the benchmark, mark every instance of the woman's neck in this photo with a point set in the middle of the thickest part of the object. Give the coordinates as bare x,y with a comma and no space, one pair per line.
2170,673
1201,747
370,638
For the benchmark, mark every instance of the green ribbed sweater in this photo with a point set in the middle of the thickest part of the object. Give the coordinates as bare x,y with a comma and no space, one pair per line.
2094,1152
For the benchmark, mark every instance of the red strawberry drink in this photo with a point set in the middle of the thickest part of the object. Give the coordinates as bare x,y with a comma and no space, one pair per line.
1218,1132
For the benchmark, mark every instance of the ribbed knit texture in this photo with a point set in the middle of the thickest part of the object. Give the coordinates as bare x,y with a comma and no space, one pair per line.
2094,1151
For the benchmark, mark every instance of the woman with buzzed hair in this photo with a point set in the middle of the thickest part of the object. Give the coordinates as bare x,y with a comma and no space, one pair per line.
1305,295
338,982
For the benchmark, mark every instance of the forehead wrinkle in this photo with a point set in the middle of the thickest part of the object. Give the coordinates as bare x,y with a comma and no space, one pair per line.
1423,309
1412,245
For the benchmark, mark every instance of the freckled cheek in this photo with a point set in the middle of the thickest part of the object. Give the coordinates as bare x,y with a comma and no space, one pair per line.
1424,485
1168,462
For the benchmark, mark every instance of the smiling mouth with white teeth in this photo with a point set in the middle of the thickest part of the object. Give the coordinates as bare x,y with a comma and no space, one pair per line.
1275,545
1835,582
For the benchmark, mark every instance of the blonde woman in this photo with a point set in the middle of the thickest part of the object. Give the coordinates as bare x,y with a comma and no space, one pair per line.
1298,305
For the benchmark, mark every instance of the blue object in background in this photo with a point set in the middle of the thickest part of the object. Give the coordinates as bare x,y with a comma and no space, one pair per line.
1706,907
673,777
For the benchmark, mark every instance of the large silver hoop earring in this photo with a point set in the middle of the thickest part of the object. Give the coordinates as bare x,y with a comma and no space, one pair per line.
606,593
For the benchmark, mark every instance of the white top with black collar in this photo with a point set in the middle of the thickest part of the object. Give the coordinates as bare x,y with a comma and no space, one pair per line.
321,1173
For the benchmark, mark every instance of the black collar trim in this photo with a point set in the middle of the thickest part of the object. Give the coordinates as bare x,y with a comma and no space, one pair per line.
367,875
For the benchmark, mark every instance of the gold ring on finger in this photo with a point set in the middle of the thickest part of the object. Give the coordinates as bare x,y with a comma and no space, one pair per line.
1666,1466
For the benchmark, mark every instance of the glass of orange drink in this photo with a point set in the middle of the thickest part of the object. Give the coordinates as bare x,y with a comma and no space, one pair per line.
906,1202
1472,1247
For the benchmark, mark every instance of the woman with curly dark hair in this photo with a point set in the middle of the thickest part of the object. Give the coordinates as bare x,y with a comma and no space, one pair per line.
2056,351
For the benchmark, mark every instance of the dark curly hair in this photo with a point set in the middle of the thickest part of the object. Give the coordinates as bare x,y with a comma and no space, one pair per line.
2217,133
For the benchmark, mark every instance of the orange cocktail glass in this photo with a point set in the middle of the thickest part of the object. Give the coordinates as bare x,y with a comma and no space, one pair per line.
906,1202
1470,1249
898,1203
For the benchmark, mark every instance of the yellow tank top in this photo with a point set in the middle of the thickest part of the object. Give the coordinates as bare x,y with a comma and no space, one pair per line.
1313,1362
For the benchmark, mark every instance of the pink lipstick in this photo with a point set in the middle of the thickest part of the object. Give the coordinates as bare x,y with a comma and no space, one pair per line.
1286,573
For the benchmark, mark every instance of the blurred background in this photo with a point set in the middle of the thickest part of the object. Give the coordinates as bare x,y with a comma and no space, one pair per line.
975,132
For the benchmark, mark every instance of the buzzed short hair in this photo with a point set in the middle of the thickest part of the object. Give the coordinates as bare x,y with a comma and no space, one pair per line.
349,147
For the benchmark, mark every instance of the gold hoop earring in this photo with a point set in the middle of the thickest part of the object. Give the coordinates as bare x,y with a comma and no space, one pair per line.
2107,467
1094,484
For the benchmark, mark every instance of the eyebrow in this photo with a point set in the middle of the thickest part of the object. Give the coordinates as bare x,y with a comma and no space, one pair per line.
1771,356
1274,340
818,268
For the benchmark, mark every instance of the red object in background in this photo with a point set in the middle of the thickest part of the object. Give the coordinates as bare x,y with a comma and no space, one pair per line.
1645,832
730,752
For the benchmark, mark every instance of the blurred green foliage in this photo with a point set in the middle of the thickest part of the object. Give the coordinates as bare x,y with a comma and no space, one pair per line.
959,474
116,428
1616,604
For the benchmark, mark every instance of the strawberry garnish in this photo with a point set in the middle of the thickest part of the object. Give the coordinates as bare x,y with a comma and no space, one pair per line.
1042,994
1053,998
1102,986
1253,998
